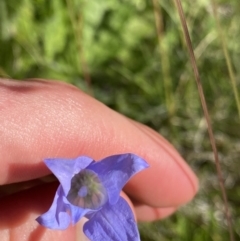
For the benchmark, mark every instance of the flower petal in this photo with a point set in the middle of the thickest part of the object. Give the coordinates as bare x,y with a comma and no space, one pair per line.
64,169
115,171
61,213
56,217
112,223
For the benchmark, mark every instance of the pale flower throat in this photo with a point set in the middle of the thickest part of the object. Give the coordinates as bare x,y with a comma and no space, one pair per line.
87,191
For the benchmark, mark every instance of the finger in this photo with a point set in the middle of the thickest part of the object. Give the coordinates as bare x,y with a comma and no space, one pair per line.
148,214
19,211
180,166
42,119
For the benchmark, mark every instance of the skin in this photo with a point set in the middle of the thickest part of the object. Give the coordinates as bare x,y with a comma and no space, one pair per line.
41,119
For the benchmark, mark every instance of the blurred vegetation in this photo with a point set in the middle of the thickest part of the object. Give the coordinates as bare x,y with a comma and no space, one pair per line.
112,50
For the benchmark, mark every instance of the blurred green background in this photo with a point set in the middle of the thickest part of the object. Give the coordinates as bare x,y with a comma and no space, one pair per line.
112,50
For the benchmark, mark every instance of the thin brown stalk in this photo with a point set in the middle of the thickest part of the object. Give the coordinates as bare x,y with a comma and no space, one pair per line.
206,114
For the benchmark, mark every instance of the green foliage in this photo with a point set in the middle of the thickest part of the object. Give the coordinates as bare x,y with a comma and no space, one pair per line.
118,42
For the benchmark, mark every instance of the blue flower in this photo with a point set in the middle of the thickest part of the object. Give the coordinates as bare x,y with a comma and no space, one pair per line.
92,189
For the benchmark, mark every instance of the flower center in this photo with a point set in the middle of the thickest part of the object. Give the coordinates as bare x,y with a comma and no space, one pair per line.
87,191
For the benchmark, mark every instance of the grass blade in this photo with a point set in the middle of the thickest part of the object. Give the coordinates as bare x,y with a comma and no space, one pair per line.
226,55
206,114
77,24
165,63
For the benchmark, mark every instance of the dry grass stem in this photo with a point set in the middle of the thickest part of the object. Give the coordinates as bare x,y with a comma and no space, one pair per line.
205,110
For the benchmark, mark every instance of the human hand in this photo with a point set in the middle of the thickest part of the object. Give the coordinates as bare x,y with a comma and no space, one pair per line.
41,119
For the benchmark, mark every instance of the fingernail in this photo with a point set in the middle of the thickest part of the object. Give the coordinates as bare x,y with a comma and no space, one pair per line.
149,214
